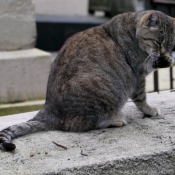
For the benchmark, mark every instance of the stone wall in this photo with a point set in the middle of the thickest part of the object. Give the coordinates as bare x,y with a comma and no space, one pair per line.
24,75
24,70
17,25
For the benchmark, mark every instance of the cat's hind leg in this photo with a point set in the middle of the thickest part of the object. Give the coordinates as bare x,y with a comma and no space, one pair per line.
116,120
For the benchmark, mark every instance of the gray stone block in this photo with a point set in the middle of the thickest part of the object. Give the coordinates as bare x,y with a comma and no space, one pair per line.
18,28
24,75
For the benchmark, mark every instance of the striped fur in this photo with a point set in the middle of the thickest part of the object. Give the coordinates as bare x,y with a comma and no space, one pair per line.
97,70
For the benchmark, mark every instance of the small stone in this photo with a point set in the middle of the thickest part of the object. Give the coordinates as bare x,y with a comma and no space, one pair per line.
32,154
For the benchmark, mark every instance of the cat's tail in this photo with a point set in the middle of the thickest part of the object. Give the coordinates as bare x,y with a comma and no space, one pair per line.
40,122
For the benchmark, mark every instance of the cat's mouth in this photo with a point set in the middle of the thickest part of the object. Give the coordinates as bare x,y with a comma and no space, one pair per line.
154,58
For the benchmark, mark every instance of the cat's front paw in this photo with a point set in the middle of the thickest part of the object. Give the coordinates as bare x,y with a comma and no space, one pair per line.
163,62
171,62
153,112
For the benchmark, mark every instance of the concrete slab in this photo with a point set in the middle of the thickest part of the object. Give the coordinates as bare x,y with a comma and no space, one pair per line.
143,147
24,75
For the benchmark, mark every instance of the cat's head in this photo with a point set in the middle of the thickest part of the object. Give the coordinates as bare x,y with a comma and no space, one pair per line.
156,34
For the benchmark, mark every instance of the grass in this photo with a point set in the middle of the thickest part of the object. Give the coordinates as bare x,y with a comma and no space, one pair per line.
19,109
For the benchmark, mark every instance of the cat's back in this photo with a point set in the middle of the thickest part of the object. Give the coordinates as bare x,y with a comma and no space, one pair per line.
89,52
89,66
87,42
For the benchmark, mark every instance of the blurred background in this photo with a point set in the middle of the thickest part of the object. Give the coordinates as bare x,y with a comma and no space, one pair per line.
56,21
59,19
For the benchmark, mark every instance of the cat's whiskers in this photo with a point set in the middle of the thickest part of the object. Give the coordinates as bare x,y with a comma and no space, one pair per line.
146,64
147,59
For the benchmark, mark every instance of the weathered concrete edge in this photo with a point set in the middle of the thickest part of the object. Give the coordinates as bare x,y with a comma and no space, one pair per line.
163,162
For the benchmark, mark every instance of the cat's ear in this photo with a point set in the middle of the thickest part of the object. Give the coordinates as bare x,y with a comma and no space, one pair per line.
150,20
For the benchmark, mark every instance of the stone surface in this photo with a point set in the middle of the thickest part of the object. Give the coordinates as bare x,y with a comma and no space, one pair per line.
143,147
17,29
24,75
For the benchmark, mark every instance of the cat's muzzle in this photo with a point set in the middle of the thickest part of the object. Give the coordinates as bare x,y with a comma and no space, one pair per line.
162,61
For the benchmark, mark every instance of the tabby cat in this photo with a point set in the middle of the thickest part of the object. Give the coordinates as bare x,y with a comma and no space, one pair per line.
97,70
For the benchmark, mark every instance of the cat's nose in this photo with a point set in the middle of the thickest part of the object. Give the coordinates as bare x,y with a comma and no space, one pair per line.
162,52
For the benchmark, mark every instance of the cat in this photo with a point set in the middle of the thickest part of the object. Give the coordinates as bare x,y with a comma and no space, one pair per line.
97,70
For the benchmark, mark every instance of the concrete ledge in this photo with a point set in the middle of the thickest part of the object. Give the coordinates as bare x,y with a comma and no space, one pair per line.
24,75
143,147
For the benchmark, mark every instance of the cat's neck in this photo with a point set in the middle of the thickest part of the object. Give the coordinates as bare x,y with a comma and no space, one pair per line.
122,30
118,25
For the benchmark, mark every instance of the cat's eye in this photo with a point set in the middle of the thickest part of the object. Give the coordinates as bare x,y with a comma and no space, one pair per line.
161,33
169,47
